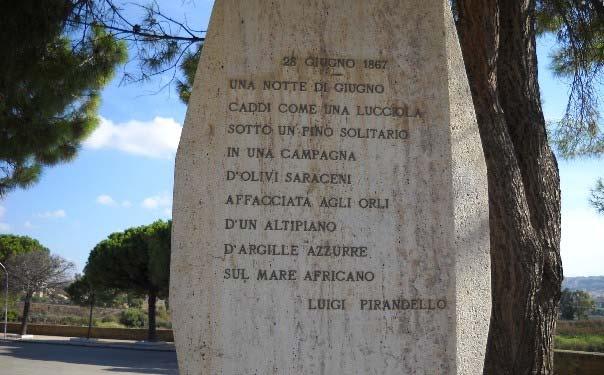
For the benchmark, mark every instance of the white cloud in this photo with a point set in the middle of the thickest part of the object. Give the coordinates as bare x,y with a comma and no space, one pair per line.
163,201
105,200
168,211
28,225
57,214
582,243
2,211
156,139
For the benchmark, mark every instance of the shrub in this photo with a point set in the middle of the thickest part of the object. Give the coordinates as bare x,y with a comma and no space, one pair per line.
109,325
110,319
38,317
161,323
73,321
133,318
13,315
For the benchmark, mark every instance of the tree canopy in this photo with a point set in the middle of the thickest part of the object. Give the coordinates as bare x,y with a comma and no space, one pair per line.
84,293
137,260
597,196
13,245
575,304
188,66
579,58
579,29
51,75
34,271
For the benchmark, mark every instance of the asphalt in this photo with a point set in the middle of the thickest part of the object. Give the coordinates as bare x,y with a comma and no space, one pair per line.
62,356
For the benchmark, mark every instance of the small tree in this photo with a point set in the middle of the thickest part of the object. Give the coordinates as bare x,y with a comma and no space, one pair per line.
575,304
597,196
567,311
35,271
136,260
82,292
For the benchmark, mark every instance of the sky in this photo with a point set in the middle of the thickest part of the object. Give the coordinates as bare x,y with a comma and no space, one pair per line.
123,176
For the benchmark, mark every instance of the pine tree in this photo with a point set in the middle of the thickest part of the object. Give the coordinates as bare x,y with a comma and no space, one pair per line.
50,81
13,245
498,40
579,29
135,260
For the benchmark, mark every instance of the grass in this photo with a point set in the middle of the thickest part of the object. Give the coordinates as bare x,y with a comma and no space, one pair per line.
580,327
582,335
584,343
110,325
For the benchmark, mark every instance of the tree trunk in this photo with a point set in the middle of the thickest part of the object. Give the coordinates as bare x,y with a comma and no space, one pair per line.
498,43
25,314
90,320
152,300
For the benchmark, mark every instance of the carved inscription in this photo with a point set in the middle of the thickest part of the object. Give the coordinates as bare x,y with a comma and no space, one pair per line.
282,147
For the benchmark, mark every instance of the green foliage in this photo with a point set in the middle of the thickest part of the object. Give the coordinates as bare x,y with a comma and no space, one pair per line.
163,318
129,299
597,196
13,245
188,67
41,317
120,262
134,300
13,315
157,41
584,343
579,25
163,323
583,335
109,325
158,240
50,81
109,319
575,304
579,28
136,260
82,292
133,318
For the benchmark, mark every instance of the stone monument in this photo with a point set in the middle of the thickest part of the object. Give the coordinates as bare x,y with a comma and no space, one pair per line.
330,204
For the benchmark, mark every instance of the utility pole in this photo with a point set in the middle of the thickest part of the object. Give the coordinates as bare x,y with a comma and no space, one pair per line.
5,300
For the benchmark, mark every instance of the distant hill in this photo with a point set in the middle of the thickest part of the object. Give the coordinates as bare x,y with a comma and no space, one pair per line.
592,284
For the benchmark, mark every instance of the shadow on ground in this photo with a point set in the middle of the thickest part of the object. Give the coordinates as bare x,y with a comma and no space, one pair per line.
108,359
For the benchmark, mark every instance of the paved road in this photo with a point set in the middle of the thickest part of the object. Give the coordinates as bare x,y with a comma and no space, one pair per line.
23,358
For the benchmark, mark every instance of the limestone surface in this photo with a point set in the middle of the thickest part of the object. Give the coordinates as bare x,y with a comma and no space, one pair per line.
330,206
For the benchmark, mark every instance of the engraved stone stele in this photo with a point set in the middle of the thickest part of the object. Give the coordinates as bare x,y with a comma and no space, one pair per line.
330,205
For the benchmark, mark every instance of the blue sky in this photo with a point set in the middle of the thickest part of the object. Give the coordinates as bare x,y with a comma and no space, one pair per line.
123,176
